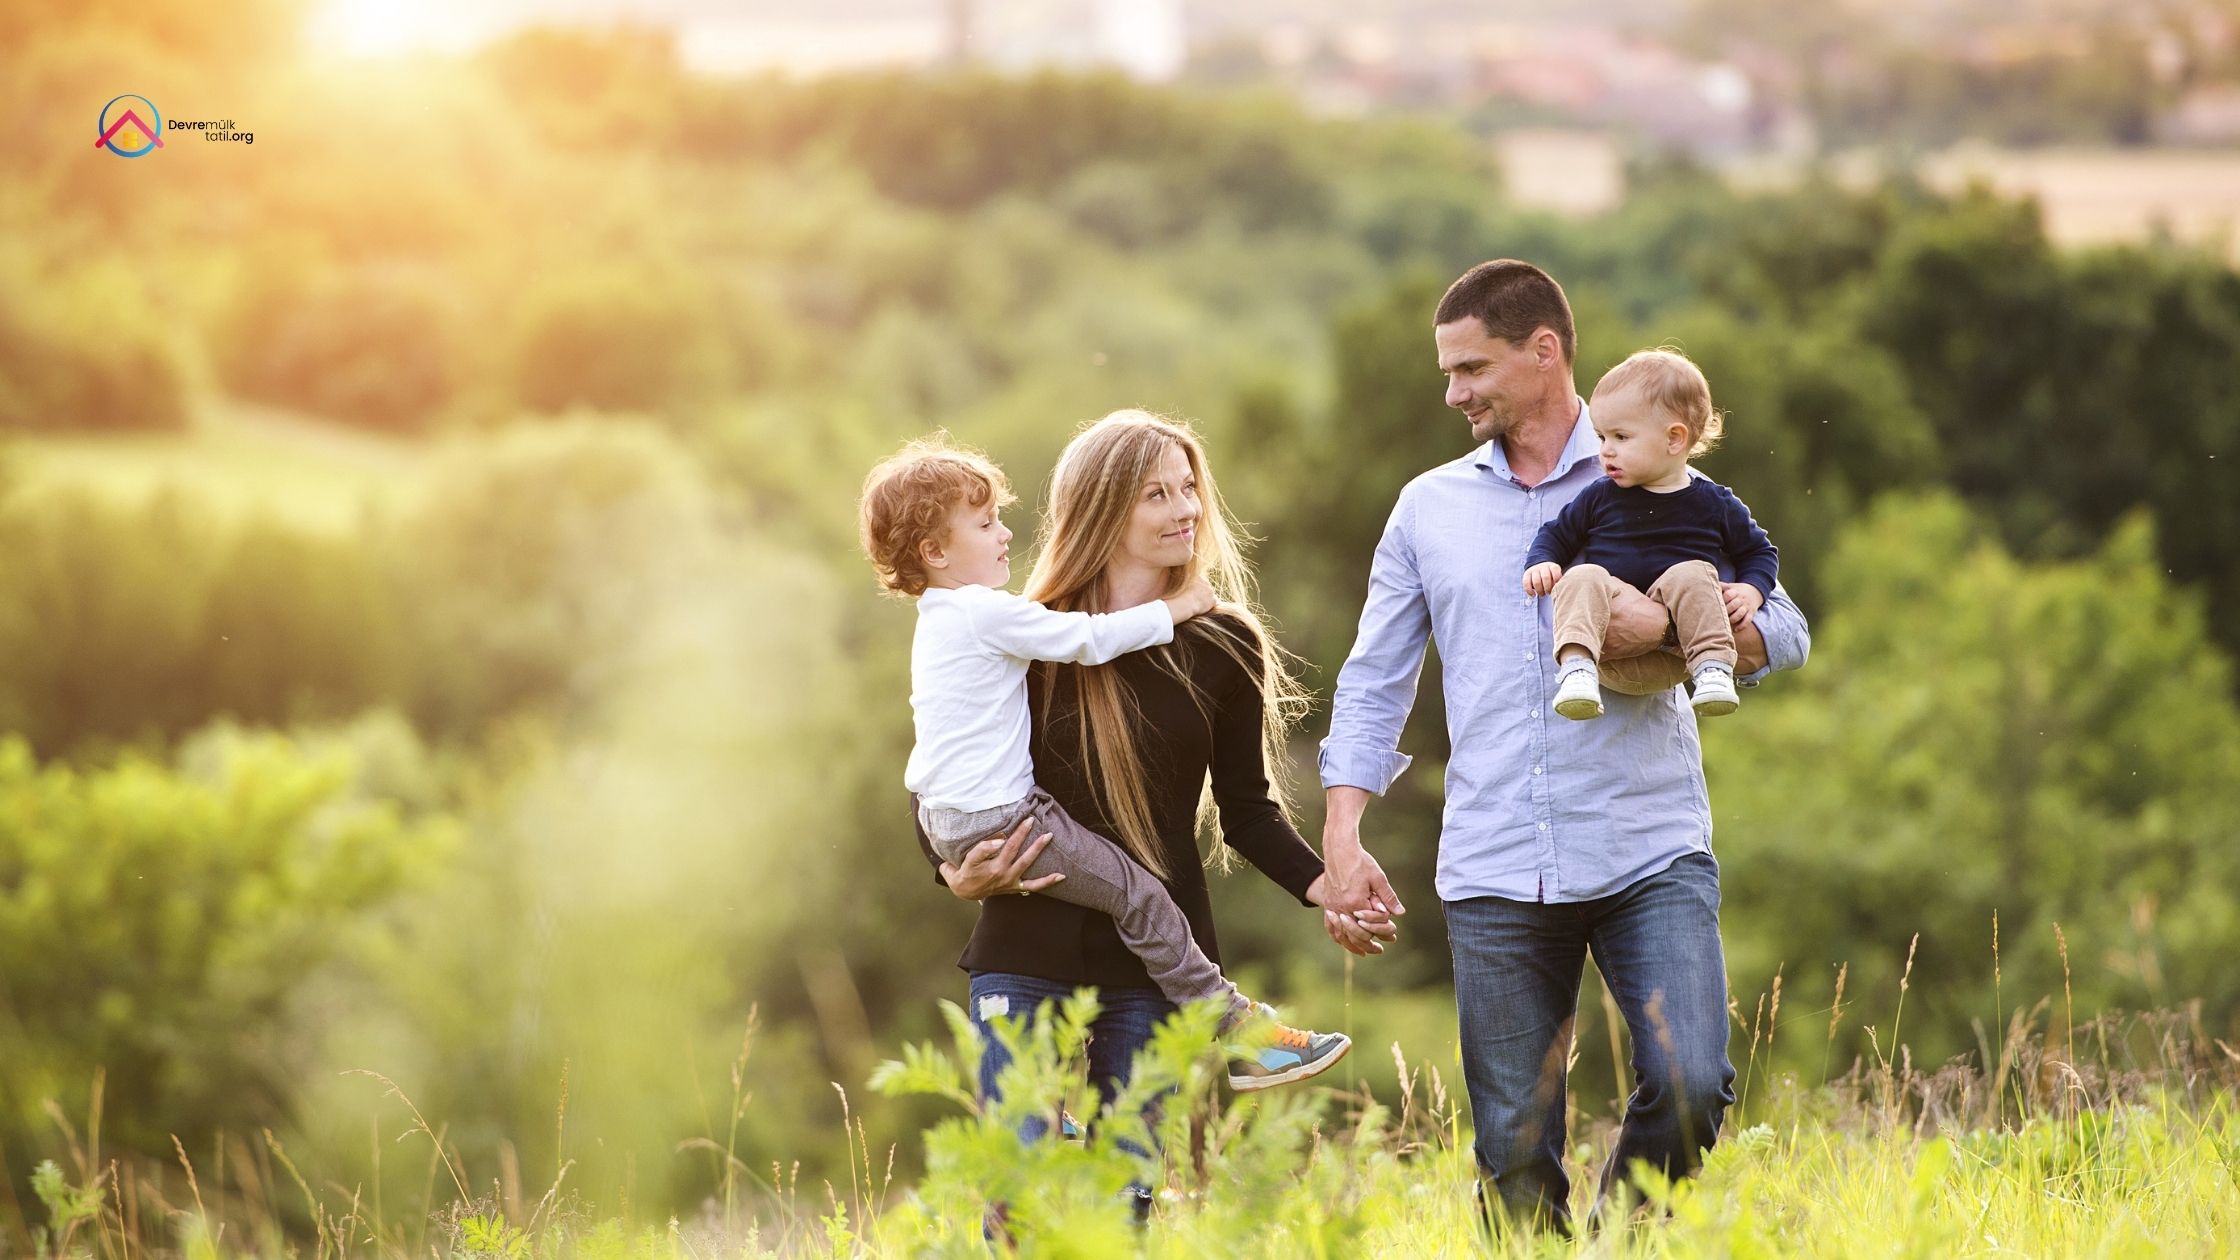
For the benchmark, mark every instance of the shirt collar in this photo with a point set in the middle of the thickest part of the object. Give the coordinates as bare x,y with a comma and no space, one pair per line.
1584,445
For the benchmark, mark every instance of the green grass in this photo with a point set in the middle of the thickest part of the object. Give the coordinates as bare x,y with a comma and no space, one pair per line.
241,460
2115,1156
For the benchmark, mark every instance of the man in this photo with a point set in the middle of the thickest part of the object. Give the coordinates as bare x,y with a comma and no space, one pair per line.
1559,837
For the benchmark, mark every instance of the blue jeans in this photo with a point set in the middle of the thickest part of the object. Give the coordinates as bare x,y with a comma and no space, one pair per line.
1517,968
1125,1020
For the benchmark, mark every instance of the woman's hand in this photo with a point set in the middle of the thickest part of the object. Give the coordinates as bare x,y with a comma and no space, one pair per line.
1364,934
999,864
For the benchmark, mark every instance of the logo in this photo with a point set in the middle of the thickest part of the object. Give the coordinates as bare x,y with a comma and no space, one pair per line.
118,125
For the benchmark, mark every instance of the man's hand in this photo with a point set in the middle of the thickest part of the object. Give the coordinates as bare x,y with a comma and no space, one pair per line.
1357,885
1541,578
1743,601
1637,624
1352,882
999,864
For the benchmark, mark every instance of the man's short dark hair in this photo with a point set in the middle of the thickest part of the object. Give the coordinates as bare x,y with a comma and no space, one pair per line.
1513,300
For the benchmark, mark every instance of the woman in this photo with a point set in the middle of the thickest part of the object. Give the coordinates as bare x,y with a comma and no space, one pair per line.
1128,748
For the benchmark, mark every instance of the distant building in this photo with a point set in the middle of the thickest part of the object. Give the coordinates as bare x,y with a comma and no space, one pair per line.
1597,76
2206,115
1145,39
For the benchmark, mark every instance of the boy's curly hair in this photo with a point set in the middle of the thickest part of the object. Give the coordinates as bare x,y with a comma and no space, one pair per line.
1671,382
907,499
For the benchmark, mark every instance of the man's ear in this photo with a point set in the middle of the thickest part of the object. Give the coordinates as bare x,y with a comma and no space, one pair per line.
1547,348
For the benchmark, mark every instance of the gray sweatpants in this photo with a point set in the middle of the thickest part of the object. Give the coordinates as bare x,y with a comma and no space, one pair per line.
1099,876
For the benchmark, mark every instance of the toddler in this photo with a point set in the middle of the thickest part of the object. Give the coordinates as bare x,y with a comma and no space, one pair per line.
1657,527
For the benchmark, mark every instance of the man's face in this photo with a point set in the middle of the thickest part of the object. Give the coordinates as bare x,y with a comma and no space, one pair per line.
1488,380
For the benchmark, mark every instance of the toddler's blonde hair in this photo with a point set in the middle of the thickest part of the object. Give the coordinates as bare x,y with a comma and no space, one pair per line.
1671,382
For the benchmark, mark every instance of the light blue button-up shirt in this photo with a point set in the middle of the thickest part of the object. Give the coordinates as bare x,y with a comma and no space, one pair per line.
1539,807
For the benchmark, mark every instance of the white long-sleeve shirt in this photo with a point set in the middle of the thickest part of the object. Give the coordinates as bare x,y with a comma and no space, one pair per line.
968,685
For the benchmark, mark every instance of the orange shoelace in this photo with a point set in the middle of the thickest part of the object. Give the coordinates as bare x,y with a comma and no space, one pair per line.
1295,1038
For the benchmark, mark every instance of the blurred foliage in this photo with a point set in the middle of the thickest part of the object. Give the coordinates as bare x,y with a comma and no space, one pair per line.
129,623
177,917
80,350
2001,74
2047,744
385,347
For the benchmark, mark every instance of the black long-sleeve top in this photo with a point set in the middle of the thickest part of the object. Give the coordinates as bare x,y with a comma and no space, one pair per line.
1180,744
1637,534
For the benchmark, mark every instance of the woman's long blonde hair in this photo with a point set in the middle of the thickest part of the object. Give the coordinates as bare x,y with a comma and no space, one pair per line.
1093,493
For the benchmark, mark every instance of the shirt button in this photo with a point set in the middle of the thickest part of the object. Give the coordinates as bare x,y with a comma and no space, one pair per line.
1543,826
1536,770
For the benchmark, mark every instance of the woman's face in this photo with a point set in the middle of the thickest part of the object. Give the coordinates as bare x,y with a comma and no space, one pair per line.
1164,524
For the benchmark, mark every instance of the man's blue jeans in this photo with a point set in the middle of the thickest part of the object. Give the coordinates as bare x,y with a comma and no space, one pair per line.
1124,1023
1517,968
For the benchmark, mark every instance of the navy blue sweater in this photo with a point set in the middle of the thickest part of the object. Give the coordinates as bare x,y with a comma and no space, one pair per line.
1637,534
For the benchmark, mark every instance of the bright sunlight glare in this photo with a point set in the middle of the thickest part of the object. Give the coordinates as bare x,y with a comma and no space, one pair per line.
383,28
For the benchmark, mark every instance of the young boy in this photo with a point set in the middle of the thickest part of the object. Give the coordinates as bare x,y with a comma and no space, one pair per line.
1655,526
930,524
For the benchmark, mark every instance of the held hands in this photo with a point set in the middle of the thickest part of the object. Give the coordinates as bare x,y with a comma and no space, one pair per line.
1365,933
1195,599
1541,578
999,864
1743,601
1358,903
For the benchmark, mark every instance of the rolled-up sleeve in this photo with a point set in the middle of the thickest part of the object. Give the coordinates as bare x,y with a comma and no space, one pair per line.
1788,638
1377,685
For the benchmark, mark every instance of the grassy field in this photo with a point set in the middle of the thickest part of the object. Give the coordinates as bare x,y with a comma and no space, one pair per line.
2131,1148
242,461
2090,196
2101,196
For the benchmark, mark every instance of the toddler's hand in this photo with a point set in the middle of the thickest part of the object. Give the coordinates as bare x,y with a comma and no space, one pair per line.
1197,598
1541,578
1743,601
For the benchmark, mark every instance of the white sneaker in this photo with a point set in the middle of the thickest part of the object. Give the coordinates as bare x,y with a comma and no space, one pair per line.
1579,694
1715,695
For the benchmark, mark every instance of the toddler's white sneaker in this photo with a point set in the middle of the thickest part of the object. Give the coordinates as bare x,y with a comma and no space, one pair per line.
1715,695
1579,693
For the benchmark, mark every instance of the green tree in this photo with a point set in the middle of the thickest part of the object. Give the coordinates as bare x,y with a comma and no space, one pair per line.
1974,735
158,924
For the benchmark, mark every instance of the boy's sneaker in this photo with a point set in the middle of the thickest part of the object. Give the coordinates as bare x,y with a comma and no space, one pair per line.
1579,694
1292,1054
1715,695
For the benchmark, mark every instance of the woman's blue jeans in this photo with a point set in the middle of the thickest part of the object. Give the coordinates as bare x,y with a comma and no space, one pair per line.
1125,1020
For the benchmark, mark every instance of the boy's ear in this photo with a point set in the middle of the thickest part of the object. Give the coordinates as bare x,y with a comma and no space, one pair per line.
1676,437
931,555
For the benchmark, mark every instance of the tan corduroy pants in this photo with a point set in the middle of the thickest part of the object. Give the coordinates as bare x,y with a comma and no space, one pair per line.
1699,613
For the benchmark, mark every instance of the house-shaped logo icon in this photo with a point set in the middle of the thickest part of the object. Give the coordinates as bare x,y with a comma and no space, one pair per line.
120,127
